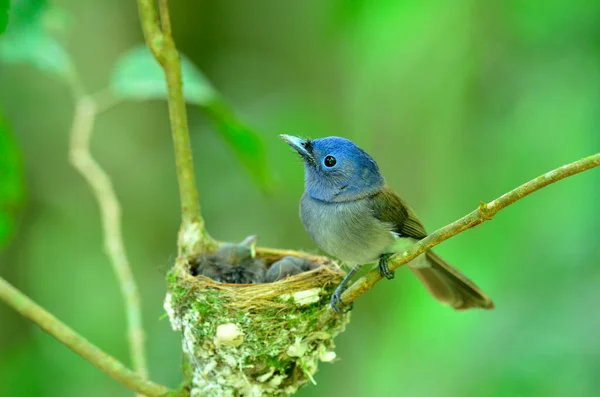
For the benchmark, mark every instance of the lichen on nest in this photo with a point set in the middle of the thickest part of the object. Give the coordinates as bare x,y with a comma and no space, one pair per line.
256,339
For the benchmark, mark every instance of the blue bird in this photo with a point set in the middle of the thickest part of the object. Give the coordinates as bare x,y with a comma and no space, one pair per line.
350,213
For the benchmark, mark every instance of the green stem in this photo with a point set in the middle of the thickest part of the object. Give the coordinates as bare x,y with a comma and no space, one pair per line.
190,206
46,321
485,212
193,235
86,110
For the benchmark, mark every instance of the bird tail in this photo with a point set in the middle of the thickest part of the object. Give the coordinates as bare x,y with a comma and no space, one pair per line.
450,286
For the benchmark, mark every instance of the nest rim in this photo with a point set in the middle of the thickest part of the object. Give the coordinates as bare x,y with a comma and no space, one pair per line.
327,272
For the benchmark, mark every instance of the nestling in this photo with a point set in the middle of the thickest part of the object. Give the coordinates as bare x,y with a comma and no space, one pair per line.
350,213
288,266
232,263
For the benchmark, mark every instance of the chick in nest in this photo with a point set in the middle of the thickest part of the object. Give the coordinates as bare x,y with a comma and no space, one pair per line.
288,266
232,263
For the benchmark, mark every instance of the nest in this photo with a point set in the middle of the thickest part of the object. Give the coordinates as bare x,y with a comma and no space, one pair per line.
254,339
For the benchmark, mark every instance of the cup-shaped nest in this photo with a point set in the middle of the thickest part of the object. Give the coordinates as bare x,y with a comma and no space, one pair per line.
254,339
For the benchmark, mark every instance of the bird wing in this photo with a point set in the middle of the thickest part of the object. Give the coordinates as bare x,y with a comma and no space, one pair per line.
388,207
446,283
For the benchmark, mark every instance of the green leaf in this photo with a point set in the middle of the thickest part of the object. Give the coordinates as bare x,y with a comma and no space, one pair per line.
32,45
245,143
28,40
12,187
24,12
4,7
138,76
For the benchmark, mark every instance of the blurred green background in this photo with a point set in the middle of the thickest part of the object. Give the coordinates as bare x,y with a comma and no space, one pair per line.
458,101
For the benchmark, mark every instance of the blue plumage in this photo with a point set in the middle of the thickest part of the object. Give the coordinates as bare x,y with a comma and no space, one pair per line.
349,212
353,175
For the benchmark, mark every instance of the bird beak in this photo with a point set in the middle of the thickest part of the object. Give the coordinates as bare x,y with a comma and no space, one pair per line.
250,242
298,144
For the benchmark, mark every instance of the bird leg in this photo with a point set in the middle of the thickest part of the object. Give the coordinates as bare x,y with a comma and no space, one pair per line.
384,270
336,301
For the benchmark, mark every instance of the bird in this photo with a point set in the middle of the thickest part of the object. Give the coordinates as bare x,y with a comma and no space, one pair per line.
352,214
234,253
288,266
232,263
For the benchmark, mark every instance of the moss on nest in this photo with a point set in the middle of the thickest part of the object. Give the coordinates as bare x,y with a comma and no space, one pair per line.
256,339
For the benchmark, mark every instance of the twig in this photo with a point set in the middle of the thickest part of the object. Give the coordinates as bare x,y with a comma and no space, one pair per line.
104,100
81,158
46,321
165,18
485,212
193,236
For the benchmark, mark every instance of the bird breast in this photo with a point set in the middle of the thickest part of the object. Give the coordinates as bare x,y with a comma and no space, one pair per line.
346,230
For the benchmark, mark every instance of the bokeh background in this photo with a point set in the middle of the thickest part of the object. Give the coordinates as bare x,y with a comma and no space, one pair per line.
458,101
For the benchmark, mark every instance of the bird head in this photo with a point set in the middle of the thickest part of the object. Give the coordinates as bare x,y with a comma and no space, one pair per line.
233,253
336,170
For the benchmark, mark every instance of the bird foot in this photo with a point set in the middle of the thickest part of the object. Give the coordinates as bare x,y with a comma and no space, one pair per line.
336,302
384,270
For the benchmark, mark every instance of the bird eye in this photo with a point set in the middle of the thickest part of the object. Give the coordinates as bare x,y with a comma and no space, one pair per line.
329,161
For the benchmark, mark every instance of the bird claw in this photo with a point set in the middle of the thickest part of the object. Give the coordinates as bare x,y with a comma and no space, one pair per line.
384,270
336,302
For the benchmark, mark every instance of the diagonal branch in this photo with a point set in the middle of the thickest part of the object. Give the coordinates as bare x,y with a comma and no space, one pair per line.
86,110
485,212
46,321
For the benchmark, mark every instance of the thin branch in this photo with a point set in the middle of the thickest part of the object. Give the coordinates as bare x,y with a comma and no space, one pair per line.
165,18
46,321
151,28
99,181
104,100
193,236
485,212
